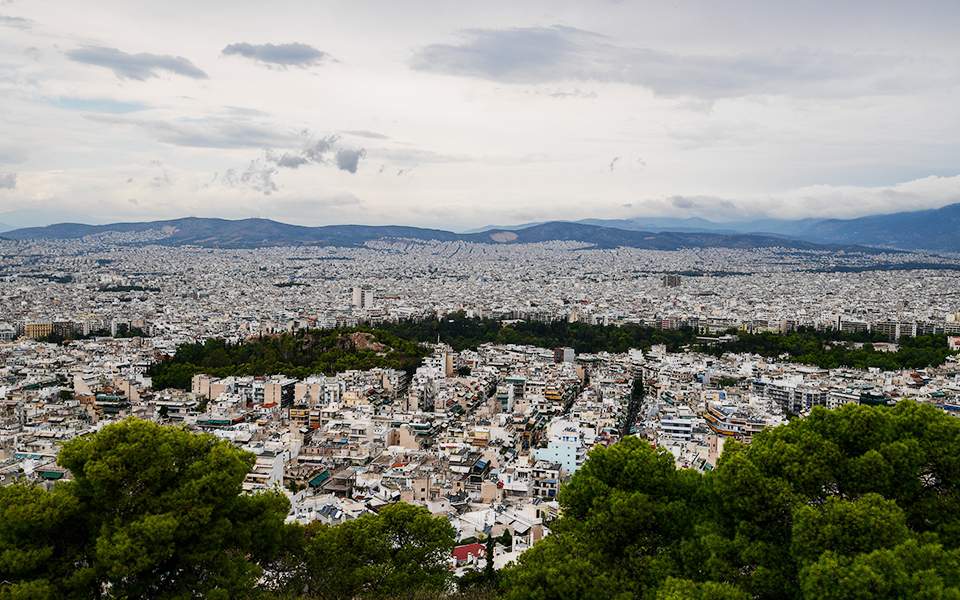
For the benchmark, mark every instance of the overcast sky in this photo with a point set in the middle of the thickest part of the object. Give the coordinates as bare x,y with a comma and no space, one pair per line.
457,115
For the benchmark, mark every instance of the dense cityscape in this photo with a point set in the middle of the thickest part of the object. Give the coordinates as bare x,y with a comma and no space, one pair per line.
484,434
542,300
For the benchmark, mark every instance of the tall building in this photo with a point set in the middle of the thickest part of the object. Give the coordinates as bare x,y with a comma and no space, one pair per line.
671,281
563,354
363,297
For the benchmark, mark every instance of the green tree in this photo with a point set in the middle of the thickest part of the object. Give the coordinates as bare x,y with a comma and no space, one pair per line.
152,512
39,548
399,552
910,570
859,502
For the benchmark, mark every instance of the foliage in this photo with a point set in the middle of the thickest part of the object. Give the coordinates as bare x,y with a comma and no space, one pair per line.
637,395
311,352
152,512
400,552
296,354
463,333
860,502
830,349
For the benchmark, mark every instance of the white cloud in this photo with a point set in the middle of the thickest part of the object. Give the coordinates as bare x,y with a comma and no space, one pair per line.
734,108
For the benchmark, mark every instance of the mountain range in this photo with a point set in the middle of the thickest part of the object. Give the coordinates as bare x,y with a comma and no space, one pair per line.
255,233
935,230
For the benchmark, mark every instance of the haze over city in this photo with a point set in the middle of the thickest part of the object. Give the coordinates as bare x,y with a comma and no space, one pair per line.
431,114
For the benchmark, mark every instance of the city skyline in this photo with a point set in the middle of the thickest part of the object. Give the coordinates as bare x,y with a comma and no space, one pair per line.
459,118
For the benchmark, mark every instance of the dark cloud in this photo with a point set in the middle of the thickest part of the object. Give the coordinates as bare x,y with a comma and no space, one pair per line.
324,151
282,55
15,22
290,161
8,181
319,151
135,66
349,160
613,163
535,55
710,206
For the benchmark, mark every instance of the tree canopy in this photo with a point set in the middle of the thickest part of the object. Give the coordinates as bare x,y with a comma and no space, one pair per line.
151,512
860,502
398,553
309,352
156,511
296,354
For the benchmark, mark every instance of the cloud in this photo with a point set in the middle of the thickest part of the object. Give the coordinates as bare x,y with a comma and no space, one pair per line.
613,163
574,93
818,201
15,22
208,132
162,179
349,160
703,204
8,181
11,154
536,55
323,151
282,55
100,105
257,176
318,151
366,134
140,66
289,161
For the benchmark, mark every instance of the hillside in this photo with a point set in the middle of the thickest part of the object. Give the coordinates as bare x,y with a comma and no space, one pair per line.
936,229
256,233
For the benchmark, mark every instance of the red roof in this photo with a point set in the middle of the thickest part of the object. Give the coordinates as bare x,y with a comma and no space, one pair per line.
463,553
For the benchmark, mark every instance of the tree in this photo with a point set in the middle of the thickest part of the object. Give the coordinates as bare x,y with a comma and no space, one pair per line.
152,512
488,571
626,513
859,502
396,553
38,545
910,570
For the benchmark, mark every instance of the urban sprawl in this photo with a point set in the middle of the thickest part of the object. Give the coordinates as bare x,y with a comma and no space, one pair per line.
484,436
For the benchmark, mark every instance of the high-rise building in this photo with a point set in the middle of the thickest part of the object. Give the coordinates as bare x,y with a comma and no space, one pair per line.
671,281
363,297
563,354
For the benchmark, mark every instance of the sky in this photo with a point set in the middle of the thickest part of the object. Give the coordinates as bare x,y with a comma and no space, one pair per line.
458,115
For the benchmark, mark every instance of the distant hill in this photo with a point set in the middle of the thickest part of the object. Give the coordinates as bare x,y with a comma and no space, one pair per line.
255,233
935,229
